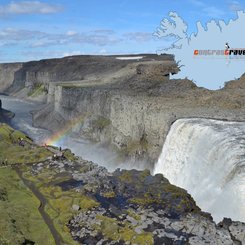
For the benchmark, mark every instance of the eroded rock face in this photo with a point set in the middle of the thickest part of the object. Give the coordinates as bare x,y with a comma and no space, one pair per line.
8,74
5,115
16,76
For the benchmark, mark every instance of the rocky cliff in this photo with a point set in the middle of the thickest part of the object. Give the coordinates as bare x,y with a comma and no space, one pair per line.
128,102
5,115
8,73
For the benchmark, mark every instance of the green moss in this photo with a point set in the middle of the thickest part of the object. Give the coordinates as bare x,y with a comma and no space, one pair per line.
129,176
126,176
86,203
183,201
5,132
39,89
146,200
20,218
10,135
59,210
143,174
18,154
100,123
59,203
69,155
11,151
175,191
132,214
110,194
16,135
112,229
59,207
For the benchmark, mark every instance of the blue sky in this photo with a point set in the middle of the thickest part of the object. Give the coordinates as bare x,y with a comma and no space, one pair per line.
33,30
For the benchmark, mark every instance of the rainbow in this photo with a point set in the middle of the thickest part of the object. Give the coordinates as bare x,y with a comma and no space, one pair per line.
58,136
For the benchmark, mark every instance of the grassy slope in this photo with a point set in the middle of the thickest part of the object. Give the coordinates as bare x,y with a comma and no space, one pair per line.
20,218
11,151
59,202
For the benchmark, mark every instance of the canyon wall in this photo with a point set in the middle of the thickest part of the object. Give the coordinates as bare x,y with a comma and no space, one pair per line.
8,74
123,102
135,123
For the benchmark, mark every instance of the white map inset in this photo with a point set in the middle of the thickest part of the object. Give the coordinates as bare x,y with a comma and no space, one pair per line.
206,71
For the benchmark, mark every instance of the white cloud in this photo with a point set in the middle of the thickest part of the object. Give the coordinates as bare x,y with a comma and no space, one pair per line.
11,34
45,43
209,72
71,53
139,36
104,31
71,33
36,39
28,7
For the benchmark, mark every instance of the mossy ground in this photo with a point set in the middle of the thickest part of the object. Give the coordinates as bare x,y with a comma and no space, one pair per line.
20,218
39,89
115,230
59,205
11,152
165,196
69,155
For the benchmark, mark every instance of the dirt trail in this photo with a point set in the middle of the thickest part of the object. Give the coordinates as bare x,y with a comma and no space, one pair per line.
58,239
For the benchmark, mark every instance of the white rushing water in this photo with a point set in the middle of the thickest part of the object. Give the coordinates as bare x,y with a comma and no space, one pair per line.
81,147
207,158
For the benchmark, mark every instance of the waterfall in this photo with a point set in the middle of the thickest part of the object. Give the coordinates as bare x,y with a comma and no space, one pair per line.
207,158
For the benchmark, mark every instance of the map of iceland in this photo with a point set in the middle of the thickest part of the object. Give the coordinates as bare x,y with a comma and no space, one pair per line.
211,67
